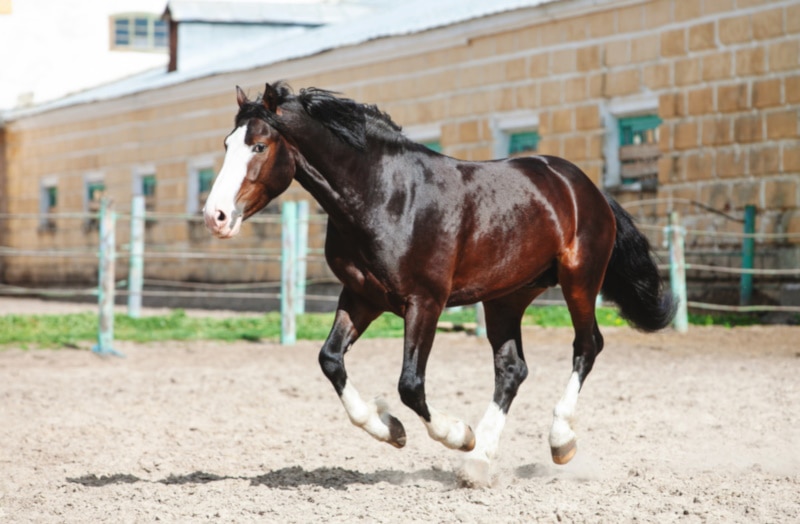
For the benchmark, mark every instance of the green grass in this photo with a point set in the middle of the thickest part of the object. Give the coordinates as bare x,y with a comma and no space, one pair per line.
73,330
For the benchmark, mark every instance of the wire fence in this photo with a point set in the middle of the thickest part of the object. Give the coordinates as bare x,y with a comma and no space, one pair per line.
179,262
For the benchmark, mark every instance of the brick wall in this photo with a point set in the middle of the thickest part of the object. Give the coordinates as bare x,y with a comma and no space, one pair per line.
722,74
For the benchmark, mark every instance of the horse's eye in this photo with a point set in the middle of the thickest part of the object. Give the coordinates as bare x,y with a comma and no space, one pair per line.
259,148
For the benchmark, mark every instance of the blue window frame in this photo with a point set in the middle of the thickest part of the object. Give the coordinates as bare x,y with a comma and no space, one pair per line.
139,32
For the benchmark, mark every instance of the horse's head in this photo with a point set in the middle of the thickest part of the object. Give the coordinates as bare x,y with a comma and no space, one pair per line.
259,165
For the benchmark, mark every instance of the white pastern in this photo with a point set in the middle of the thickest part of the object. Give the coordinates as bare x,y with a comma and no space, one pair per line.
475,470
367,415
561,433
228,182
448,430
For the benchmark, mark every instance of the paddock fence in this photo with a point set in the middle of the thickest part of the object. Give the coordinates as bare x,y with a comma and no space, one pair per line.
113,252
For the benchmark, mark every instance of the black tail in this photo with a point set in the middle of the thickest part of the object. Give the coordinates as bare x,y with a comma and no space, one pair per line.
632,280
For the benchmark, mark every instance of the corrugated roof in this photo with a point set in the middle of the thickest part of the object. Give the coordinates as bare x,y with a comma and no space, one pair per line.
265,11
403,19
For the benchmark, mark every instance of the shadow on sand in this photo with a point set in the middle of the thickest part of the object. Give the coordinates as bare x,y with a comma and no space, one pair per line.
284,478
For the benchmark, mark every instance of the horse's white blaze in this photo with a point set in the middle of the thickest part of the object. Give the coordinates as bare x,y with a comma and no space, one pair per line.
223,194
475,470
448,430
561,432
367,415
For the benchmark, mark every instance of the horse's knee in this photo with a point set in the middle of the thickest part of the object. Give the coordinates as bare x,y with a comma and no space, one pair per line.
412,393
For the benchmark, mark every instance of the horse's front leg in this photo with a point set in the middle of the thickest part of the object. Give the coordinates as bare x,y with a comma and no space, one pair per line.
503,318
353,316
420,327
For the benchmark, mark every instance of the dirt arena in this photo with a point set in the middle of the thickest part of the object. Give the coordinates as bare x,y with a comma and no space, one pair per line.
703,427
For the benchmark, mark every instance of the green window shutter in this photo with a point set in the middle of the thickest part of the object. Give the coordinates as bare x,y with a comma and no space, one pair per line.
95,190
205,179
638,129
433,145
149,185
522,142
52,197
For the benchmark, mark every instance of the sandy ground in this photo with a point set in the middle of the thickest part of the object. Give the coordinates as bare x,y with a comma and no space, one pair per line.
703,427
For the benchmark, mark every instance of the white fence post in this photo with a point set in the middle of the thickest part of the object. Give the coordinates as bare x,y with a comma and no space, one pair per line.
136,260
301,258
288,272
677,271
105,277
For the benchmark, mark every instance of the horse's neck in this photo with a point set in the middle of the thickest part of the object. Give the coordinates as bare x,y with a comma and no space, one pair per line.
332,187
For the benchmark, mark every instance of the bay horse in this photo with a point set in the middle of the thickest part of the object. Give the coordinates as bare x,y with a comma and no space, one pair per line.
412,231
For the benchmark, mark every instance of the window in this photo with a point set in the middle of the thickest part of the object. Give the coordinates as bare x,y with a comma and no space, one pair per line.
631,147
638,130
638,151
433,145
524,142
48,204
144,184
205,179
139,32
515,134
94,194
425,134
201,179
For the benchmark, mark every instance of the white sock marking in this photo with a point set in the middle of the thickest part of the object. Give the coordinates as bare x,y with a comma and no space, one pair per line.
475,470
366,415
561,432
448,430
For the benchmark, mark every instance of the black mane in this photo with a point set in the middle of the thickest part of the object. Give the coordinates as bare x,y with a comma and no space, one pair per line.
349,120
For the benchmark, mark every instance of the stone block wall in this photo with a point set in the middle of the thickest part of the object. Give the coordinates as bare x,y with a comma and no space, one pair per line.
723,75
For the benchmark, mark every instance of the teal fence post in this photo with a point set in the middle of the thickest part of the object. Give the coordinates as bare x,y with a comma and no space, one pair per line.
105,277
677,271
301,258
748,256
136,260
288,272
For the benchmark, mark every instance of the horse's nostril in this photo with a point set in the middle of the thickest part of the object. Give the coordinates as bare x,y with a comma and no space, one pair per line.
221,216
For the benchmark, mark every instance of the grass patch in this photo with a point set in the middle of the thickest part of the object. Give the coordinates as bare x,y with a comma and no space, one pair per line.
70,330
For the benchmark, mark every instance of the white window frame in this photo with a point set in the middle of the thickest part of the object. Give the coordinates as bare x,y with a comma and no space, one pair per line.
45,184
506,124
611,113
424,133
193,182
90,178
139,173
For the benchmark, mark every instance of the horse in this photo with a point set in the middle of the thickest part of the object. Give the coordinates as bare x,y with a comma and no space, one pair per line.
411,231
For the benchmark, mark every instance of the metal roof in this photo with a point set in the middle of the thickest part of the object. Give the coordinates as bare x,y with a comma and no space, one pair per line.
265,11
401,19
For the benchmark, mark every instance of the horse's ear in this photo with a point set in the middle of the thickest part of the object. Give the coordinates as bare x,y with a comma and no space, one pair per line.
241,98
270,98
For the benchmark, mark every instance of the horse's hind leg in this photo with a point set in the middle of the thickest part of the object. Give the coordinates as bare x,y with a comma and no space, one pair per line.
503,318
353,316
580,286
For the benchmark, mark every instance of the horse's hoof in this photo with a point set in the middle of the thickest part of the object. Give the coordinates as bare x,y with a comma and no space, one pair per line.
397,433
563,454
469,440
